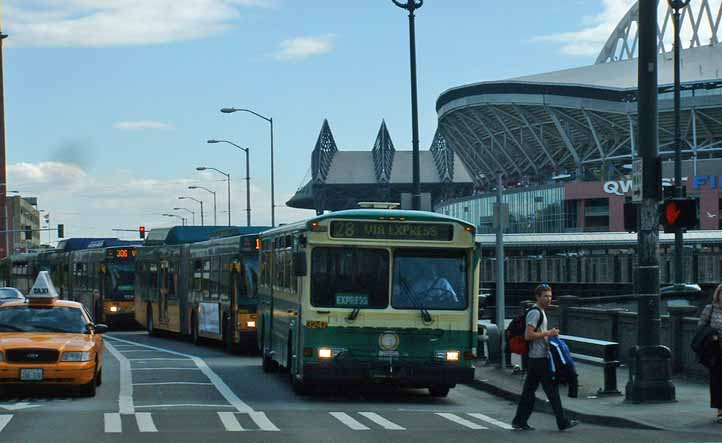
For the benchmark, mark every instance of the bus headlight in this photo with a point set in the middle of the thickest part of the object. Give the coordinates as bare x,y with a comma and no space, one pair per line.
448,355
325,353
251,324
113,309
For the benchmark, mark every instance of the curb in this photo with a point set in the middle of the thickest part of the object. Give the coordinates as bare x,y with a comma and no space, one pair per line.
544,406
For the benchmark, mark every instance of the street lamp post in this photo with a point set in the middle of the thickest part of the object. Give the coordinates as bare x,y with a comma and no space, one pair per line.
193,214
676,6
183,220
270,121
228,177
411,6
197,201
248,178
215,213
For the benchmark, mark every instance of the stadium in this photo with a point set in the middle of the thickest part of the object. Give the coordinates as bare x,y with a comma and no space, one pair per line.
565,140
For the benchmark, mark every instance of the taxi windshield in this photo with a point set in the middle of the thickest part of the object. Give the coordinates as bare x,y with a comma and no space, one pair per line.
41,319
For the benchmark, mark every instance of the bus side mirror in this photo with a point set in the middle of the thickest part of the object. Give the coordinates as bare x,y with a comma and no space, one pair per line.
299,264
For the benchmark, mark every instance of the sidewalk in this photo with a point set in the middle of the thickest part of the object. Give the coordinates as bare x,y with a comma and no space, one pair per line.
690,411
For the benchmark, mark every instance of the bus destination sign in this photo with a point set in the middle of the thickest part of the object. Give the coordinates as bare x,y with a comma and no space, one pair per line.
121,253
392,231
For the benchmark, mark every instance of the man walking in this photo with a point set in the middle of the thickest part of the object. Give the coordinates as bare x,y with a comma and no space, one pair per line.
538,366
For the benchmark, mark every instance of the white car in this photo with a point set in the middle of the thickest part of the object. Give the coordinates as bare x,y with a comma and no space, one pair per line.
10,294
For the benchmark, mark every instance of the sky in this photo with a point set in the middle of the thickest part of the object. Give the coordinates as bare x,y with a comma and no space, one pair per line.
109,103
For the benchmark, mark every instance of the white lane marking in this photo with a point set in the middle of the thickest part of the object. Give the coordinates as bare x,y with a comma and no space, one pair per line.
156,359
262,421
349,421
180,405
461,421
145,422
128,351
4,420
125,395
166,369
379,420
493,421
18,406
221,386
173,383
112,421
230,422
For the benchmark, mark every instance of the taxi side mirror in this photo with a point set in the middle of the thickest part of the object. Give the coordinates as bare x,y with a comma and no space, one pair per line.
101,328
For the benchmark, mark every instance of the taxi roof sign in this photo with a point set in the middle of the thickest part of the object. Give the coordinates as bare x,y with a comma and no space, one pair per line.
43,287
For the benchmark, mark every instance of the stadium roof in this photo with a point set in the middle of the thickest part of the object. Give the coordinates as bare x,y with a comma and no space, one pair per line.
583,120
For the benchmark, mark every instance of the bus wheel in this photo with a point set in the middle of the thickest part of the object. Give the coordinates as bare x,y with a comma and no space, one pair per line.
150,327
299,387
266,360
439,391
195,338
228,344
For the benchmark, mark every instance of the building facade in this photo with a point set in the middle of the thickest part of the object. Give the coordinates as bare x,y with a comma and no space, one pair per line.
23,217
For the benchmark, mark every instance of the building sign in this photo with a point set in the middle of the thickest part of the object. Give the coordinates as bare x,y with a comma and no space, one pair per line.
622,187
392,231
712,181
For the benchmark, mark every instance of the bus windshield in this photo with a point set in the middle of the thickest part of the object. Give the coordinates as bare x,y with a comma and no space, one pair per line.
429,280
349,278
122,278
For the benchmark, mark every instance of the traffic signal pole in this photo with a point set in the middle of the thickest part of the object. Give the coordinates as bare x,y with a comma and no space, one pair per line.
650,362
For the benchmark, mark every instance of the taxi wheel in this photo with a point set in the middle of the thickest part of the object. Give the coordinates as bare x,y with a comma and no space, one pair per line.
99,377
89,389
439,391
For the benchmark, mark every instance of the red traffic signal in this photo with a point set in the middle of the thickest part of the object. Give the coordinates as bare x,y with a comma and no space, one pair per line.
141,231
679,213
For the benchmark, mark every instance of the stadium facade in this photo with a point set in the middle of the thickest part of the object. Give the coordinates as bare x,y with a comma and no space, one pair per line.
565,141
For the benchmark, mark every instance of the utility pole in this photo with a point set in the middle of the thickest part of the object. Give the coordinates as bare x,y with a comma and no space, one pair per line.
500,304
650,375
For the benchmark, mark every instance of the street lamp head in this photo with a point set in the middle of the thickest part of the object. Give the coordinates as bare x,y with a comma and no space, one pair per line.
192,187
201,168
182,198
678,4
178,209
228,110
213,141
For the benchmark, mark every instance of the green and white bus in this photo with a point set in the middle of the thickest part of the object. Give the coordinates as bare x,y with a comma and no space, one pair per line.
370,296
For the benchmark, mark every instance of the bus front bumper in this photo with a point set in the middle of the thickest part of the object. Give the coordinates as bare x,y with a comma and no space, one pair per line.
411,374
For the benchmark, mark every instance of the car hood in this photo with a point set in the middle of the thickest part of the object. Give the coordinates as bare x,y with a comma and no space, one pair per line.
35,340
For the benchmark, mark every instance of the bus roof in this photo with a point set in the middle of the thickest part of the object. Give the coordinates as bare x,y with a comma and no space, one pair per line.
73,244
377,214
177,235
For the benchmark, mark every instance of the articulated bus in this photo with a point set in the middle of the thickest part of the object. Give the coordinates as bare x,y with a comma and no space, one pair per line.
204,290
367,295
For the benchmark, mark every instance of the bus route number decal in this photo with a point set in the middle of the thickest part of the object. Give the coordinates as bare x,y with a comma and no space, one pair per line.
316,324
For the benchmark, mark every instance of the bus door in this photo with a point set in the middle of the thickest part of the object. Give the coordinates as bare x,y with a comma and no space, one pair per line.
163,290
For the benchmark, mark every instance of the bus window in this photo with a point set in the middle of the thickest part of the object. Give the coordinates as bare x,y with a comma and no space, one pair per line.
429,279
349,278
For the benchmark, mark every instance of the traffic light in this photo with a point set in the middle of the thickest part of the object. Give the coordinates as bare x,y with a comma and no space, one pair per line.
61,231
141,231
679,213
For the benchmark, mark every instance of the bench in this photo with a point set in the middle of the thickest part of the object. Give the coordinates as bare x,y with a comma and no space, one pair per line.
599,353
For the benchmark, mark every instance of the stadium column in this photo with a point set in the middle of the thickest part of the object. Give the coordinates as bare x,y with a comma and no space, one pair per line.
650,362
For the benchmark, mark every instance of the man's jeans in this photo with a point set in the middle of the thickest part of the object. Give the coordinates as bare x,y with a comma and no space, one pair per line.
538,372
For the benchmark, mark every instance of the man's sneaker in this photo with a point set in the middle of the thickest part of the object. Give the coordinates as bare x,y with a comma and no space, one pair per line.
568,425
524,427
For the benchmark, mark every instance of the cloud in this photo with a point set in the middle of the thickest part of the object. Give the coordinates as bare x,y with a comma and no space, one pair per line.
93,206
143,124
301,48
590,39
93,23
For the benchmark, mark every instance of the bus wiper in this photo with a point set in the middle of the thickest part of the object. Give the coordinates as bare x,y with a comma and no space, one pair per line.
352,316
11,327
415,300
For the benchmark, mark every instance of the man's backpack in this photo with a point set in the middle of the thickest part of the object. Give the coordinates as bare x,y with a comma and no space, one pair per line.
515,332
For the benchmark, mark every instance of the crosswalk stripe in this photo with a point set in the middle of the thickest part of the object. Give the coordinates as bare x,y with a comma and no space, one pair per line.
262,421
461,421
230,422
113,424
379,420
4,420
493,421
349,421
145,422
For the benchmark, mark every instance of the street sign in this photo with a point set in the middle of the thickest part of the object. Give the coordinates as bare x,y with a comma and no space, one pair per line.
637,180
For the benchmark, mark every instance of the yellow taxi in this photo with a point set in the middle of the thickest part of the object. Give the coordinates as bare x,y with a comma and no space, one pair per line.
47,341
